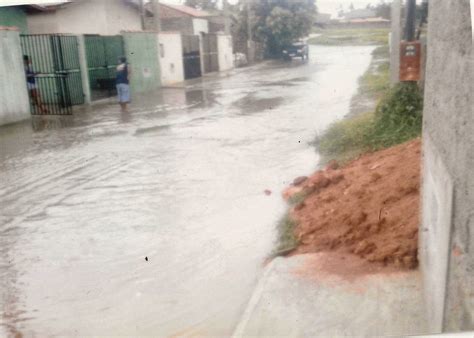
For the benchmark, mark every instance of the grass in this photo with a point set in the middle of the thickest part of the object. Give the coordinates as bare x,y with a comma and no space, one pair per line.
287,240
297,198
350,37
395,119
376,80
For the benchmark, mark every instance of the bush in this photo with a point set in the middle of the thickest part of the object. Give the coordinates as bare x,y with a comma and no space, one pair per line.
398,118
286,237
346,139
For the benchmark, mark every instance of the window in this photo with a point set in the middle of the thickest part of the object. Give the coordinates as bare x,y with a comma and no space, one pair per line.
162,50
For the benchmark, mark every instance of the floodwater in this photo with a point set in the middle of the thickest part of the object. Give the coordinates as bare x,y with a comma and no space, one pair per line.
179,180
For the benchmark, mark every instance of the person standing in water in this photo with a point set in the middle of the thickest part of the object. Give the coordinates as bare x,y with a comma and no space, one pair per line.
122,82
31,84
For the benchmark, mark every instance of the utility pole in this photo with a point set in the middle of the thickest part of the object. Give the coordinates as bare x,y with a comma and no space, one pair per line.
250,47
424,18
225,4
395,39
410,26
156,15
142,13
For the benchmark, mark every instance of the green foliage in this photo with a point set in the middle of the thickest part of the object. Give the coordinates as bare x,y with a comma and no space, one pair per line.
383,9
376,83
346,139
398,118
280,22
297,198
347,37
287,240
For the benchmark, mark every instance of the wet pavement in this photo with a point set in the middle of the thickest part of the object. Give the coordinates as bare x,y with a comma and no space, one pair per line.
180,179
298,297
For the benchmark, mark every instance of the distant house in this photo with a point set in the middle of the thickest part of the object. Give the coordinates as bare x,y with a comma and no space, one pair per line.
322,19
360,14
105,17
184,19
14,16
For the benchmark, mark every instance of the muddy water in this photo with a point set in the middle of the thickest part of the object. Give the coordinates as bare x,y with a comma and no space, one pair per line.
178,180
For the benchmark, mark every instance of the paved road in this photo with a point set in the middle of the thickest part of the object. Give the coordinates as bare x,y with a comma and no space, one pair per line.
179,180
298,297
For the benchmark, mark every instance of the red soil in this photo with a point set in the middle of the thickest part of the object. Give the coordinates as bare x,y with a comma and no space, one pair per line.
369,208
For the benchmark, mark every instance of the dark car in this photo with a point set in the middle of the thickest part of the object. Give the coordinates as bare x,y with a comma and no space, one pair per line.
296,49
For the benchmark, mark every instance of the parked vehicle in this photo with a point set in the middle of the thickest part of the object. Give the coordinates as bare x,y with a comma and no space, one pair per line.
240,60
296,49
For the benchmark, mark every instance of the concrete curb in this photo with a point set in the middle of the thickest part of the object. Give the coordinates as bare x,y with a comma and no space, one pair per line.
254,299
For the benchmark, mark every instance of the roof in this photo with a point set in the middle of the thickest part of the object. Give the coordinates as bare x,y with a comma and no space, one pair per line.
51,5
189,11
39,4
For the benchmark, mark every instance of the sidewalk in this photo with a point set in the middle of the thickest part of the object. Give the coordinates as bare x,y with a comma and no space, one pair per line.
289,301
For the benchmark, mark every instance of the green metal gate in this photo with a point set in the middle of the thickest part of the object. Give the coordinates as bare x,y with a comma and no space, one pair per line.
210,54
191,56
56,84
102,58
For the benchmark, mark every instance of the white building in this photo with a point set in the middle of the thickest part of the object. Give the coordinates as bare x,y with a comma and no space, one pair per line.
225,52
171,58
104,17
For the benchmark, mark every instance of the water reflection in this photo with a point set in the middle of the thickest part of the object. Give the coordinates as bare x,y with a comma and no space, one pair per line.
41,123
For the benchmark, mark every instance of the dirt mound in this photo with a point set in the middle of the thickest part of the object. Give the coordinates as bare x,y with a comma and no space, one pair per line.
369,208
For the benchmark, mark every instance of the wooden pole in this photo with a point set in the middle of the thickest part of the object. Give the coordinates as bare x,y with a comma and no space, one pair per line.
250,46
410,26
142,13
395,39
156,15
225,4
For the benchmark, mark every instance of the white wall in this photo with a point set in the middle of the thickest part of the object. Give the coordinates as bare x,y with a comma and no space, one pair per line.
225,52
200,26
121,17
171,58
14,102
42,23
105,17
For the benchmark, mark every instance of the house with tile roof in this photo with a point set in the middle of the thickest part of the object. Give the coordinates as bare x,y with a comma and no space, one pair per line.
184,19
105,17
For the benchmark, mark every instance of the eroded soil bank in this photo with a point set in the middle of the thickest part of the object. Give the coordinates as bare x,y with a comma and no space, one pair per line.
368,208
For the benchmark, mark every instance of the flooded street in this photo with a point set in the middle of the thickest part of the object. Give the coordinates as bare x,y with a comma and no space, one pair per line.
180,179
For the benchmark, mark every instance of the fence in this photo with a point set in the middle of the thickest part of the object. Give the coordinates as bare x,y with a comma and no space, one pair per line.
191,56
102,53
55,83
210,53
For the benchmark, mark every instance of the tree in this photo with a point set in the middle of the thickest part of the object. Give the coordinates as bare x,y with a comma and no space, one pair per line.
340,11
280,22
351,7
383,10
202,4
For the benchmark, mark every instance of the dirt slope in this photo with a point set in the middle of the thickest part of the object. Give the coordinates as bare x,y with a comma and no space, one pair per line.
369,208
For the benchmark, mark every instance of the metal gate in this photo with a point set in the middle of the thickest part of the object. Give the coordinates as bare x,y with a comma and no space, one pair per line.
191,57
102,58
54,79
210,55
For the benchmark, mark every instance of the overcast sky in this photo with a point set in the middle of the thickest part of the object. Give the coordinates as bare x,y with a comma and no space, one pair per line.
325,6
